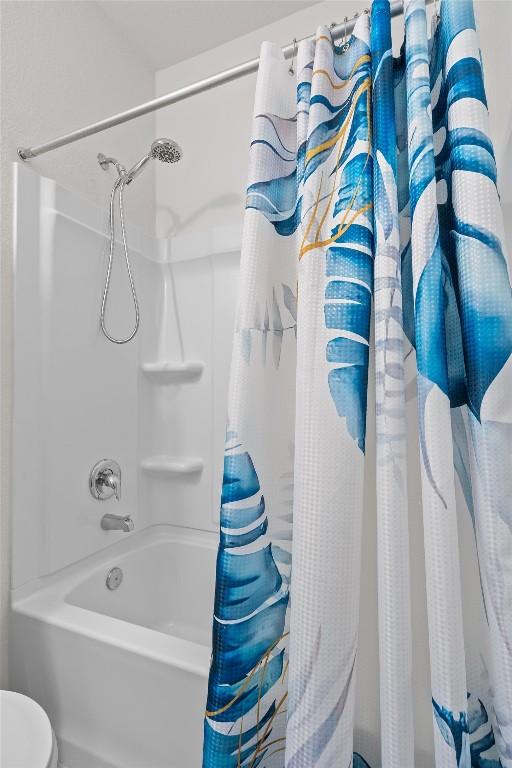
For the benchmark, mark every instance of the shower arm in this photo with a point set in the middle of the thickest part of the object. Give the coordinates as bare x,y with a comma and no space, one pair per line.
226,76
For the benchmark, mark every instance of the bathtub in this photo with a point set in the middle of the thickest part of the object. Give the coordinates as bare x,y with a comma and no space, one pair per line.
122,673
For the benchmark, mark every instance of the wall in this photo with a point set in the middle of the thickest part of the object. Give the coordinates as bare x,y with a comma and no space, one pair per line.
62,66
75,393
156,405
183,417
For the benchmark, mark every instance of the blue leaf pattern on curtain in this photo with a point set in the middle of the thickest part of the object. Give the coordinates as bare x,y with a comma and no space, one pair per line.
474,299
444,595
249,622
335,211
335,283
337,220
478,322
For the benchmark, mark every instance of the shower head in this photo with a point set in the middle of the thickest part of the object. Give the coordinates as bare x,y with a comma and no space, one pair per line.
166,150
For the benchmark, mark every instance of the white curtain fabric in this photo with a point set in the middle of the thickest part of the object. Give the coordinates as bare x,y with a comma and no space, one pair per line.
368,175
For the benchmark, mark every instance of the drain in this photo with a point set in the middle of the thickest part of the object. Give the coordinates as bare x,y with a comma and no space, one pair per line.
114,578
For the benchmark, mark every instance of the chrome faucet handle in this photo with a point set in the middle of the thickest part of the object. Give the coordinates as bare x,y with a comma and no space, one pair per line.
105,480
110,480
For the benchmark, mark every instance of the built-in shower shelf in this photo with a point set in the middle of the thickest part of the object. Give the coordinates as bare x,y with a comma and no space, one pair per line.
173,465
174,370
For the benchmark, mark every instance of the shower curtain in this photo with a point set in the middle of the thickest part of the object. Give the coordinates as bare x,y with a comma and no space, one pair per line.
372,181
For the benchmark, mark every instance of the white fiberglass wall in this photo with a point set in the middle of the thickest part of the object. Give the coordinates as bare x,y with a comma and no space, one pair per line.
156,405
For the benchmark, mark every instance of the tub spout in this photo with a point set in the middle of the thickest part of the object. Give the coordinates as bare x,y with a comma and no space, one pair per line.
117,523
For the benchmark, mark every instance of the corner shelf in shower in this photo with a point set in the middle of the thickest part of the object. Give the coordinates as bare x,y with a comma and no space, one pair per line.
174,371
172,465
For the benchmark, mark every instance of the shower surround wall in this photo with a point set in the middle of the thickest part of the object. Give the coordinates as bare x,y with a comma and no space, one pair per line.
156,405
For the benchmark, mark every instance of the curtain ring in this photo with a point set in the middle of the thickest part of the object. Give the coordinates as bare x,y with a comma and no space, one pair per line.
291,71
345,46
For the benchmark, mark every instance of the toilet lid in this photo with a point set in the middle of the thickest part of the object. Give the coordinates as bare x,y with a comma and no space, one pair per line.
26,738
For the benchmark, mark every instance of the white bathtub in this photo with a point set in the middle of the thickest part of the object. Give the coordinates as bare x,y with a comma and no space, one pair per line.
123,673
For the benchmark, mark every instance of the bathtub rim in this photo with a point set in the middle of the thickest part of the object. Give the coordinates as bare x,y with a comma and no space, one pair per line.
44,599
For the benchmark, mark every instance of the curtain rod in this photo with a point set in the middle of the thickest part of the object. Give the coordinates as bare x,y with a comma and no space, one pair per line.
226,76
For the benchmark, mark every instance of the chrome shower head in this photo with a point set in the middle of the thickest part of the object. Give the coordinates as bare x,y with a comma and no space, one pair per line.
166,150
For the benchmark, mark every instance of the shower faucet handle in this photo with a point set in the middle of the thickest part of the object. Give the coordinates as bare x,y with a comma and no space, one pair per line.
105,480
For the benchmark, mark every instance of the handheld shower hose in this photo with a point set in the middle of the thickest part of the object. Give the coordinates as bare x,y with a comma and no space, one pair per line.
118,186
165,150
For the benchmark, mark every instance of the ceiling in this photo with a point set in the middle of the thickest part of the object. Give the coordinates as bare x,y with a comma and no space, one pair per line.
165,32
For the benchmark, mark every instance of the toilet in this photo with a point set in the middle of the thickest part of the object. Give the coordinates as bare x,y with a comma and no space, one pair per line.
26,735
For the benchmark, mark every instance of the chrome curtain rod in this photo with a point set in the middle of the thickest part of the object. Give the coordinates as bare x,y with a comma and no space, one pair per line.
227,76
